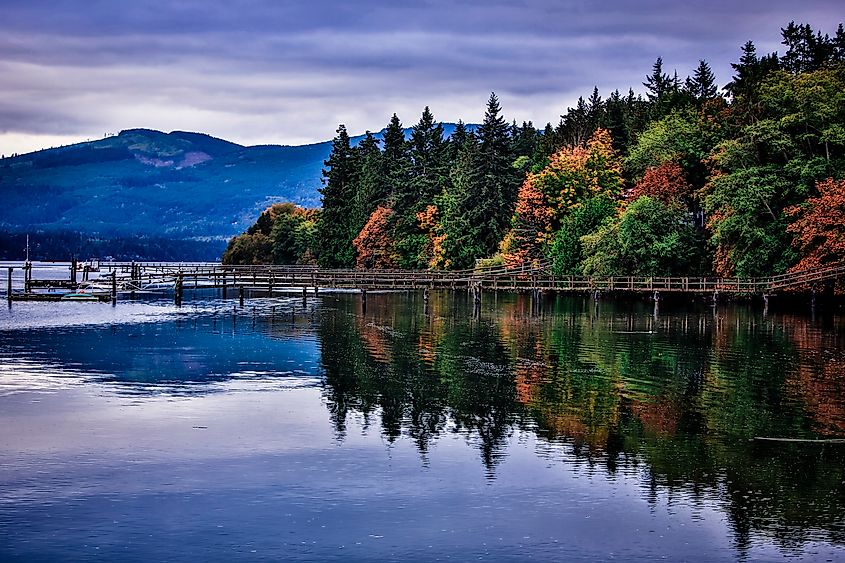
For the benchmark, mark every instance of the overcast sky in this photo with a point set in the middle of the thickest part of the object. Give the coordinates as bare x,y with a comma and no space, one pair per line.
283,72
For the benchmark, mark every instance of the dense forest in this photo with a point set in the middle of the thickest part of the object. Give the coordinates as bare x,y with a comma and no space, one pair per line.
745,180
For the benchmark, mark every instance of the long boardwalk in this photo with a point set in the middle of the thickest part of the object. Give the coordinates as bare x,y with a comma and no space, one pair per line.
270,277
117,277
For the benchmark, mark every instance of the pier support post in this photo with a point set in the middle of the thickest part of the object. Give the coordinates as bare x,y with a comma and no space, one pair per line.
73,270
765,304
364,301
27,276
241,295
114,287
9,287
304,293
178,292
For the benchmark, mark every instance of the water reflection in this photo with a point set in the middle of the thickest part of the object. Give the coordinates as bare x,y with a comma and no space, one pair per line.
670,401
680,396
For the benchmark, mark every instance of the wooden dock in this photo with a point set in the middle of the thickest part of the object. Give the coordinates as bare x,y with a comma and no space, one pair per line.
123,277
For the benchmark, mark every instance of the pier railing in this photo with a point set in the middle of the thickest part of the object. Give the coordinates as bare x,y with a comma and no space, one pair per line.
528,277
131,276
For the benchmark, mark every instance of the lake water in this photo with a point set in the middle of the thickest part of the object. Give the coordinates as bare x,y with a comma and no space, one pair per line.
577,430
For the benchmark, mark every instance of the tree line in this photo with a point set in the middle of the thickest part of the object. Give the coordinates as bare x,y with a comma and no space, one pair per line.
745,180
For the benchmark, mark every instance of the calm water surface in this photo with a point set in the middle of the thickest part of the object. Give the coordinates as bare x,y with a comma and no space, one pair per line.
318,431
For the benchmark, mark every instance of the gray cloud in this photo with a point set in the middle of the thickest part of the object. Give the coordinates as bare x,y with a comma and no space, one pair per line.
288,72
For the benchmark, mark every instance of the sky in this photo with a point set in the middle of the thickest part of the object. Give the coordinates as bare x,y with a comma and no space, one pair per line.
285,72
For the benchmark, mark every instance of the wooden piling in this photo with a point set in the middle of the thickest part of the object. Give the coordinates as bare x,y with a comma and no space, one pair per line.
241,295
9,287
114,286
178,290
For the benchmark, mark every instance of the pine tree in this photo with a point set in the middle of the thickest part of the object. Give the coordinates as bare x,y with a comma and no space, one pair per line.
428,170
464,216
338,194
371,190
456,140
500,182
657,83
702,84
427,160
837,54
396,158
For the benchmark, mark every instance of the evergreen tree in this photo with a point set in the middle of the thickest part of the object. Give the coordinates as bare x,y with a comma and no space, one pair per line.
702,84
500,182
744,87
428,155
396,159
456,141
614,121
837,54
428,177
658,84
336,223
805,51
465,220
371,189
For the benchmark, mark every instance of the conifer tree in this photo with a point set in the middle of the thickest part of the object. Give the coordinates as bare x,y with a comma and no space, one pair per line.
371,190
428,168
499,180
335,226
395,157
702,84
657,83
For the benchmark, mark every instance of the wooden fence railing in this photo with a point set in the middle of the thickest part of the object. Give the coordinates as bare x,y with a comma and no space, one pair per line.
497,278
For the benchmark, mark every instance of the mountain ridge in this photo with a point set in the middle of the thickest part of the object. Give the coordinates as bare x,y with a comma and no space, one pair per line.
180,185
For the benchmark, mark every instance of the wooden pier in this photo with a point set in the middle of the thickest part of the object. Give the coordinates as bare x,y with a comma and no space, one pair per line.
128,277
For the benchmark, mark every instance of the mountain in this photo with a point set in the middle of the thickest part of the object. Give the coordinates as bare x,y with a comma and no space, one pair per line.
189,188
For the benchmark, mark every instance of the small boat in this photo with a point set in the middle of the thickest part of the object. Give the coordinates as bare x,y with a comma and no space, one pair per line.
79,296
161,285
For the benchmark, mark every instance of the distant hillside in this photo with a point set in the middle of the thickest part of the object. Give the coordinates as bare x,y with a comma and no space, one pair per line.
145,183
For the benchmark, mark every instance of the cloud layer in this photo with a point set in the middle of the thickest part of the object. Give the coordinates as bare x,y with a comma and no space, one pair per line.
268,71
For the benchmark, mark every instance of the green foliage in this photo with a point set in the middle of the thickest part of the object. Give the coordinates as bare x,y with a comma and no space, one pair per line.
723,167
283,234
650,238
338,219
566,249
676,137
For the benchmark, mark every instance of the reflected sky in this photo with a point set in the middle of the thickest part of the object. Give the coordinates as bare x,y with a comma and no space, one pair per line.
316,430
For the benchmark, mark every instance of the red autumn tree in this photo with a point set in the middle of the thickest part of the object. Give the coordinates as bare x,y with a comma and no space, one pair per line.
374,245
819,226
665,183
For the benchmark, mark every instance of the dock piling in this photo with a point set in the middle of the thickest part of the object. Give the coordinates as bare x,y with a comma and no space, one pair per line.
9,287
178,288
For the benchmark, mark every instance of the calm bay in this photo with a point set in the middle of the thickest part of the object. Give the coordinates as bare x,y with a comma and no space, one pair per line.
317,429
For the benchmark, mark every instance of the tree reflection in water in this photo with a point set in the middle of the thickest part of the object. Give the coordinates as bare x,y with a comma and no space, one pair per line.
680,395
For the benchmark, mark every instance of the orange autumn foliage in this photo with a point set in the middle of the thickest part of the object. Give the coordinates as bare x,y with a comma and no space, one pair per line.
374,245
819,226
429,222
573,175
532,225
